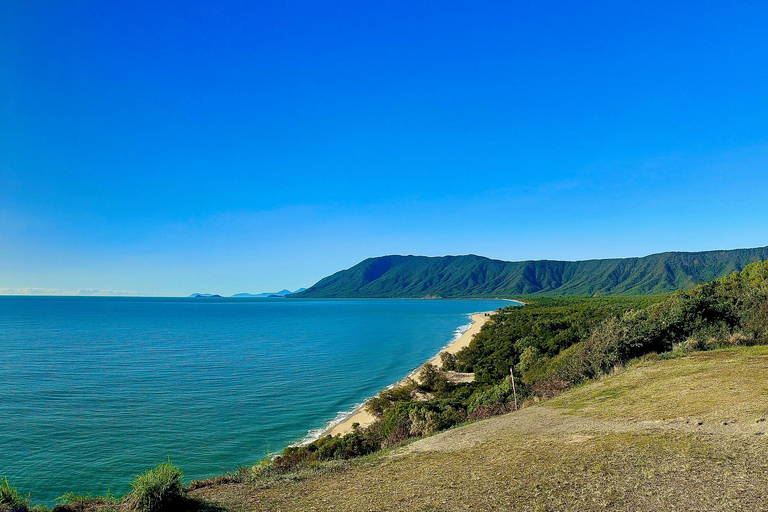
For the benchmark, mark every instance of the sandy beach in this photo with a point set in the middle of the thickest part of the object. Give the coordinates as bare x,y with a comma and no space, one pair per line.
361,416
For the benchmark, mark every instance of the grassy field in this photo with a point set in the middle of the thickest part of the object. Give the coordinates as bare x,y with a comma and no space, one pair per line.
679,434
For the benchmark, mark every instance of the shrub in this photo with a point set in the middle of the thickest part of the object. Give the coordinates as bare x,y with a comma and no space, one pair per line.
10,499
488,411
426,419
550,386
493,396
387,397
432,379
357,443
529,357
448,360
158,490
396,423
739,338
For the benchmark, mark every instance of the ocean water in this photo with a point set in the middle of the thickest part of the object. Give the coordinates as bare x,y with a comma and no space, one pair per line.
94,390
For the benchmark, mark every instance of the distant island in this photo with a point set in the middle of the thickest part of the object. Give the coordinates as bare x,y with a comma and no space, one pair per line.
206,295
281,293
474,276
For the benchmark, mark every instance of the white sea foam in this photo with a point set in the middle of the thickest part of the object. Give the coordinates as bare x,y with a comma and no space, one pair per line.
315,434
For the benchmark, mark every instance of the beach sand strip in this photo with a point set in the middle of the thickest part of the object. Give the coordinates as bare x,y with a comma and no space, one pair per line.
364,418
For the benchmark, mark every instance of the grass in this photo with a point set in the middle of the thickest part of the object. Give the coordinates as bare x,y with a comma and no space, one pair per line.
158,489
625,471
626,442
10,498
264,475
711,386
686,433
86,502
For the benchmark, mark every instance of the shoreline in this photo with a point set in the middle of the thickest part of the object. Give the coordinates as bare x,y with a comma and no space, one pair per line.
364,418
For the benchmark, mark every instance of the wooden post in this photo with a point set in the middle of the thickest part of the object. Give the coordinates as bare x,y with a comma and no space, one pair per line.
512,378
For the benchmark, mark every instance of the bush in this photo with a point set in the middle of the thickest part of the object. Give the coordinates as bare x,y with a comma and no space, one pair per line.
448,361
158,490
426,419
432,379
493,396
550,386
388,397
10,499
357,443
483,412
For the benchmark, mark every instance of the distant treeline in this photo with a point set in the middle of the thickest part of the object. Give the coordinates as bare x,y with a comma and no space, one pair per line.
476,276
552,344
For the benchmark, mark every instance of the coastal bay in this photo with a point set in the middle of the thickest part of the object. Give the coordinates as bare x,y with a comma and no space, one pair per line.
363,418
212,384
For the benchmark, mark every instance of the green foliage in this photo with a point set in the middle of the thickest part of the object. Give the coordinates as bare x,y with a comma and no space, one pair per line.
84,502
725,312
491,396
432,379
11,499
554,343
541,329
448,361
387,397
355,444
158,489
475,276
415,419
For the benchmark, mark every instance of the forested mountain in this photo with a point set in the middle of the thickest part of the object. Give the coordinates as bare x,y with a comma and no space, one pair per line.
476,276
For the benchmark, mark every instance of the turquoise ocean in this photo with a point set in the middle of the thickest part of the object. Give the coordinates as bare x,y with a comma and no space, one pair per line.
95,390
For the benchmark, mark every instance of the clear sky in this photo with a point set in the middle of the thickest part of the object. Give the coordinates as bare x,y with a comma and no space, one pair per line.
176,147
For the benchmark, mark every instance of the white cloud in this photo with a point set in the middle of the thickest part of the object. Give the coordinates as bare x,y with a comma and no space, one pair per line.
107,292
60,291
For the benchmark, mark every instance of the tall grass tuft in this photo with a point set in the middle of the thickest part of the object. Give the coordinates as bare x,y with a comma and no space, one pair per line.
158,489
85,502
10,499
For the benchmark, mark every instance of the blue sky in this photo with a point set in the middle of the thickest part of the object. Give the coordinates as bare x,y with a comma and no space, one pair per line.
168,148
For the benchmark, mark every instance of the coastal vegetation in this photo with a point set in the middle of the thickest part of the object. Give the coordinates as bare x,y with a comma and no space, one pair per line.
10,498
680,433
553,344
644,356
158,489
476,276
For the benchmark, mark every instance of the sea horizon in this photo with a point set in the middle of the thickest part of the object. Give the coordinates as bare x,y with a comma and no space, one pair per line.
212,384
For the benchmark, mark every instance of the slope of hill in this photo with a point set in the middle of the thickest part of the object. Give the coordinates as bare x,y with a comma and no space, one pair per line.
476,276
680,434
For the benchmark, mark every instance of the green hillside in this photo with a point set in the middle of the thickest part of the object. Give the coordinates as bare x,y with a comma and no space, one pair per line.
681,434
476,276
625,403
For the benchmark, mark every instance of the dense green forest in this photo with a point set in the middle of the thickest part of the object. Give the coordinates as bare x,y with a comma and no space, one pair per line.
552,344
476,276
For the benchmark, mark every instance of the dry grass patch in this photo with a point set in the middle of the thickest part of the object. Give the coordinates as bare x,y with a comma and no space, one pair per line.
720,385
609,445
615,471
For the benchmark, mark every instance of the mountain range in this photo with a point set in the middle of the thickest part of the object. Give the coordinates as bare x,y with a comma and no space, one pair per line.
476,276
281,293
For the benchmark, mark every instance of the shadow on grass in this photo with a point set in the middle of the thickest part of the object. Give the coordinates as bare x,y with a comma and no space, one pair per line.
185,505
198,505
